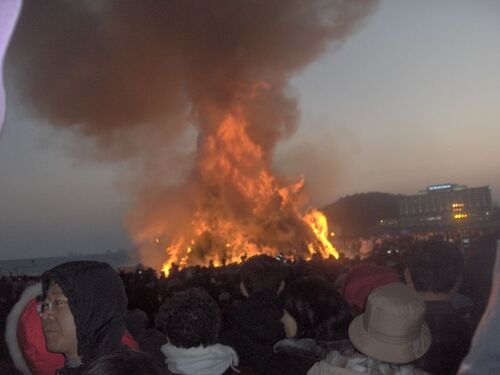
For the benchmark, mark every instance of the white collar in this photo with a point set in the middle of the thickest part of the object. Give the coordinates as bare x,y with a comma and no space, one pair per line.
210,360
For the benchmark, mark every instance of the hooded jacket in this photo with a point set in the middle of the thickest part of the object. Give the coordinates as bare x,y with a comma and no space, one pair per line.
253,328
24,337
97,299
25,340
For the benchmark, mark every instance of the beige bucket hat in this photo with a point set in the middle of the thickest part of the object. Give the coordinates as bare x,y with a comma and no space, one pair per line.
392,328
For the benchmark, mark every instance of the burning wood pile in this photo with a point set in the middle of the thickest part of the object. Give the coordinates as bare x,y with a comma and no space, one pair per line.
238,208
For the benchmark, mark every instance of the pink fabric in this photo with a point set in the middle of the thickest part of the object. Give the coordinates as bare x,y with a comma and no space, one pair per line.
9,10
32,343
129,341
362,279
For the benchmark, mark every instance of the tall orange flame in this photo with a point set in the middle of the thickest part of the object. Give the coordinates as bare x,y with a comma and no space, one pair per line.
319,224
245,210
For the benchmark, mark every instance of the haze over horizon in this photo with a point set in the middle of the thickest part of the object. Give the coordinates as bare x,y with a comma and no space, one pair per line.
407,100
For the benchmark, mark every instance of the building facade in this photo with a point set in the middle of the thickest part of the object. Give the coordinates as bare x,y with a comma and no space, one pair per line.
443,205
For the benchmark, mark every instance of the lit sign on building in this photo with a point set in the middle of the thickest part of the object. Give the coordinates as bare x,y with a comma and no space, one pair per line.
444,204
439,187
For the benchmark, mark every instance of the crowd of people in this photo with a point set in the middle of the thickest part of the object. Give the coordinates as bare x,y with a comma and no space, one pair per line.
384,312
405,305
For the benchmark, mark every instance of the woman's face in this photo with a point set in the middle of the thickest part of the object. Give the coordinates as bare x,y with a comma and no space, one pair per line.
58,324
290,324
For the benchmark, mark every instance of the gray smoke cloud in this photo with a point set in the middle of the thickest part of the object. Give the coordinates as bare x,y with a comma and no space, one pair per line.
134,77
122,69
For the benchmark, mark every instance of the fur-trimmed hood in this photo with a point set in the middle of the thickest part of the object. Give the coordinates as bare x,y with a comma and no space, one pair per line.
25,339
28,295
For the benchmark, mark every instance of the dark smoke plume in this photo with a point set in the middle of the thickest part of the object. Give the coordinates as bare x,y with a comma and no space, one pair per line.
133,76
121,68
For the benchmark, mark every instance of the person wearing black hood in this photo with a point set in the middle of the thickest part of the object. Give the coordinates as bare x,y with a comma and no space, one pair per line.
255,326
82,312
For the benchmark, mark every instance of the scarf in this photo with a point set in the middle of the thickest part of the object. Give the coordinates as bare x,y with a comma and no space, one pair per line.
210,360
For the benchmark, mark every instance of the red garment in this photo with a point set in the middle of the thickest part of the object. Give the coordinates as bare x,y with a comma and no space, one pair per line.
362,279
32,344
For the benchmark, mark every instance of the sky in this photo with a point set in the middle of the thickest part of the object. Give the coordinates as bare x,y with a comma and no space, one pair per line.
408,100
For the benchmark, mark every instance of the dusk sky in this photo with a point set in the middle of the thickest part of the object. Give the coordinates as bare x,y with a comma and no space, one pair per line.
409,99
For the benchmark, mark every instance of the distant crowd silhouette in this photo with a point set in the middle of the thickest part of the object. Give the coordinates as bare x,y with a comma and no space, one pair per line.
410,305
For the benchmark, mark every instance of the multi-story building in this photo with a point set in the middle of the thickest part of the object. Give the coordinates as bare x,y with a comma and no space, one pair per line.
443,205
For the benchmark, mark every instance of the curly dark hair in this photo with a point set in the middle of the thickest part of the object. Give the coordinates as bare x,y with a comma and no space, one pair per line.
190,318
435,266
261,274
320,311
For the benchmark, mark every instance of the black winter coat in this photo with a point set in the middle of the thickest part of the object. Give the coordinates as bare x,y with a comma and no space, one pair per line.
252,329
297,356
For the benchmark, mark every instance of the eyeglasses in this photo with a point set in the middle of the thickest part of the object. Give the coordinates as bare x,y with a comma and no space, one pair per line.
43,307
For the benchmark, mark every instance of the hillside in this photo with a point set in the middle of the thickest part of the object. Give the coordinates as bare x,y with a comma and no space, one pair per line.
356,215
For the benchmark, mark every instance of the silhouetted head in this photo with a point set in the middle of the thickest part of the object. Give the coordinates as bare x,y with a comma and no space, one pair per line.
434,266
261,274
314,309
